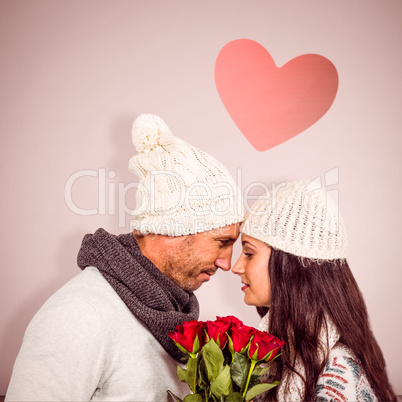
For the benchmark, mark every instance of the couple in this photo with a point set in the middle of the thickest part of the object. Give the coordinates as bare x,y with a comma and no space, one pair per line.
104,335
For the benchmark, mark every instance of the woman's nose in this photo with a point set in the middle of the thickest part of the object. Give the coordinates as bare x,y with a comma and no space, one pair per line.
238,267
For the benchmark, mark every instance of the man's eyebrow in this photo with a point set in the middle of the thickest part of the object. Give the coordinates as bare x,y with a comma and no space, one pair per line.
245,242
226,238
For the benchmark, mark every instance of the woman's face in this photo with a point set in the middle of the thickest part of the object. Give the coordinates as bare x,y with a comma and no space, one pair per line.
252,267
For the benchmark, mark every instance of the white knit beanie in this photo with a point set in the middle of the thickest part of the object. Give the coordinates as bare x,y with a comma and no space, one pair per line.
298,218
182,189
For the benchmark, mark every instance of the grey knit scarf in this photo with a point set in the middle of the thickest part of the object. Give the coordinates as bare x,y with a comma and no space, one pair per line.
153,298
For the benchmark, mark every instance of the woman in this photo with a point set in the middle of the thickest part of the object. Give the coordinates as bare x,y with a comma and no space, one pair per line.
293,265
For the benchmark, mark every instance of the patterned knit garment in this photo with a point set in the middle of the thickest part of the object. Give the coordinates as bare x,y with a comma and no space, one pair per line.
343,379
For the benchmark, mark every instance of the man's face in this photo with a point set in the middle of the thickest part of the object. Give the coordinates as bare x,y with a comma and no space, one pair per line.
191,260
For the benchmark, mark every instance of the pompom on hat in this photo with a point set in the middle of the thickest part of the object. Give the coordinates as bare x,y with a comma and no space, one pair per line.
182,189
149,132
299,218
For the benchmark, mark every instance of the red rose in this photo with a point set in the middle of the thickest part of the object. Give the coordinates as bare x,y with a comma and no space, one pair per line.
231,319
240,337
217,330
264,346
189,336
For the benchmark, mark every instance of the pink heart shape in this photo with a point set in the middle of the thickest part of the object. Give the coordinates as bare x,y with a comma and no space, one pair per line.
270,105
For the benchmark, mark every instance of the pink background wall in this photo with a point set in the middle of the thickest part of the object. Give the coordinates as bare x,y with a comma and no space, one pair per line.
75,74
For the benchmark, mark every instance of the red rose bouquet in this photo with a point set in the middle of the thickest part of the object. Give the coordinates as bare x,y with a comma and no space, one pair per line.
225,358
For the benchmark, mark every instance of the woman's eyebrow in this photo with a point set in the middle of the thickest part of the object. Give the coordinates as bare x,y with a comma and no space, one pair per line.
245,242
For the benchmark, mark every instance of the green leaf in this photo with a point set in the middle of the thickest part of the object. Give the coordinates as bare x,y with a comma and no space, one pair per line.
185,358
244,350
259,389
275,357
255,378
254,357
181,348
181,374
174,397
196,345
230,345
202,380
267,356
234,397
213,358
193,398
239,369
260,370
223,383
190,375
192,368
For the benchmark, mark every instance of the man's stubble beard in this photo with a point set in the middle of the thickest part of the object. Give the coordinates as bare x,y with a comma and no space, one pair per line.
183,270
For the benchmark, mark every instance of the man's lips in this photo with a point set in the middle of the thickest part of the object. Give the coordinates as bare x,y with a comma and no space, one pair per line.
207,274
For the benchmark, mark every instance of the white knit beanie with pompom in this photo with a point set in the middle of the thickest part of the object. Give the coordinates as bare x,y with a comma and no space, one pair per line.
299,218
182,189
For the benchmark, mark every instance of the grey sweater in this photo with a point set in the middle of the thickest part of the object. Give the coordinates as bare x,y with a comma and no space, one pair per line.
84,344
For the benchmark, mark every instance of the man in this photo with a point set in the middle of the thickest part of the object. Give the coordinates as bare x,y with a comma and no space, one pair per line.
104,335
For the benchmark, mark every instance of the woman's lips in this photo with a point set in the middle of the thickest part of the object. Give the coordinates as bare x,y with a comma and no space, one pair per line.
245,286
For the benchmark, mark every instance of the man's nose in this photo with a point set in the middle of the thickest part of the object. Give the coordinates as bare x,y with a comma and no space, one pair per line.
224,261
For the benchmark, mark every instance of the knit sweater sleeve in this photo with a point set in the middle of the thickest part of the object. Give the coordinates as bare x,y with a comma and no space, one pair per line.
61,356
343,379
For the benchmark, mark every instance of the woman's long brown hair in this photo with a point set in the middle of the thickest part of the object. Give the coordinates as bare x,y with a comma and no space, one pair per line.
303,292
